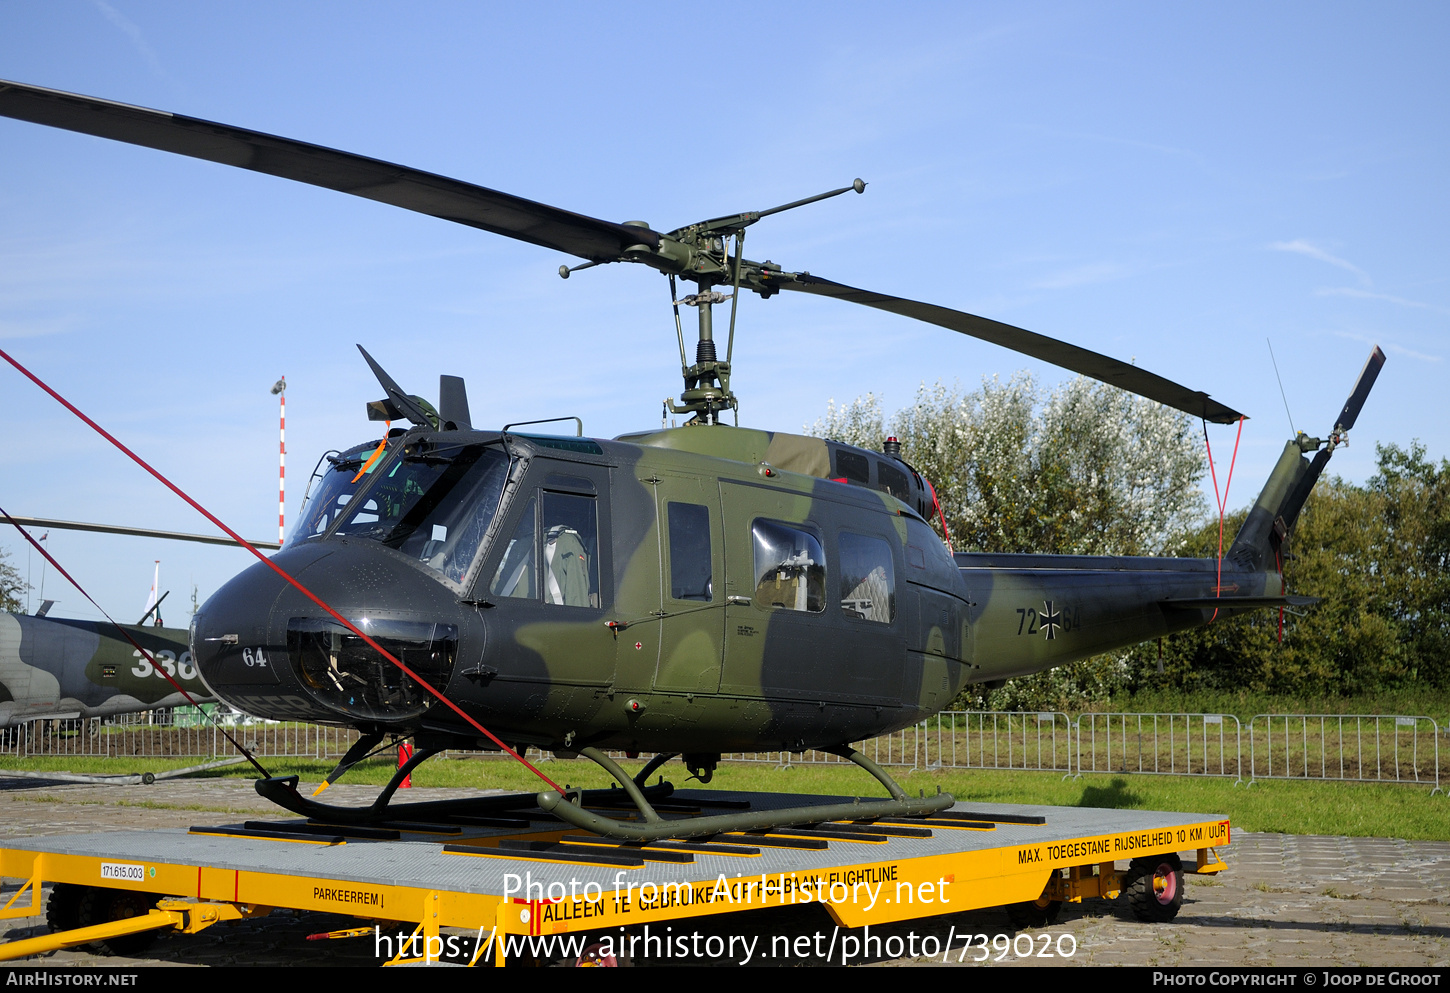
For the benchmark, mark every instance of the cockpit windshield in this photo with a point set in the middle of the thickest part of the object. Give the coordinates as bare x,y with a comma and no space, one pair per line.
432,502
330,500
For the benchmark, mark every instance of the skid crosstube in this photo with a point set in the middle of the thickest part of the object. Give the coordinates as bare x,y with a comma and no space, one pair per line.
529,874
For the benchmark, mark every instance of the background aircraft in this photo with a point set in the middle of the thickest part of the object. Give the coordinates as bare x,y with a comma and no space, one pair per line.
55,667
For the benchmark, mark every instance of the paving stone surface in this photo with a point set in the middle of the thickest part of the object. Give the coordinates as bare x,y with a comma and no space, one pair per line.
1285,900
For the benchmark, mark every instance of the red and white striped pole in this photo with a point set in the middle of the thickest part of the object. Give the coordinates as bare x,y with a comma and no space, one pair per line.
280,389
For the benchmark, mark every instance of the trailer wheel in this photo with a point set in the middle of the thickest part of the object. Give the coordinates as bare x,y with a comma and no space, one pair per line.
98,905
602,954
1033,913
63,909
1154,888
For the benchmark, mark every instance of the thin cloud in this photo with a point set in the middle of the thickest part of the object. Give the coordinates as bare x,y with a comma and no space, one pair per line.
1366,295
133,32
1302,247
1149,146
1388,346
34,329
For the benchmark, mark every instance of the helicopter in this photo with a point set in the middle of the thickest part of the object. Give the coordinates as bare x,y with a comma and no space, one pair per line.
63,668
686,591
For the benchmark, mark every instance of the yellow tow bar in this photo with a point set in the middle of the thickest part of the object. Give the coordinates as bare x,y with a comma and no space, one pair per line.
186,916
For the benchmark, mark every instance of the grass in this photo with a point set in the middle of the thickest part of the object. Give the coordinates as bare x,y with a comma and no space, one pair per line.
1326,808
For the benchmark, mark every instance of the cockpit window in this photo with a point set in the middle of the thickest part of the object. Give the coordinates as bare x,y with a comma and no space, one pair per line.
331,498
433,503
570,562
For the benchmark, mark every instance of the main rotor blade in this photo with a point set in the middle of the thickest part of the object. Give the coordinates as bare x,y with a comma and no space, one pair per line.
385,182
1080,360
1362,386
205,539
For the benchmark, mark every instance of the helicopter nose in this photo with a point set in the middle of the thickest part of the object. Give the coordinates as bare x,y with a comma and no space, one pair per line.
267,648
238,653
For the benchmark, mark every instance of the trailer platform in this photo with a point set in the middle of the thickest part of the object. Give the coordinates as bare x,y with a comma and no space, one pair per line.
529,874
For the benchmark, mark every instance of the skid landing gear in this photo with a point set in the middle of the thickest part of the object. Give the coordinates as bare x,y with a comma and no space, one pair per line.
282,790
632,791
655,827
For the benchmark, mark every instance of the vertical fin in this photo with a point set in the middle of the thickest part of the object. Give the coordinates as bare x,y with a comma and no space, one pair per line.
453,402
1277,508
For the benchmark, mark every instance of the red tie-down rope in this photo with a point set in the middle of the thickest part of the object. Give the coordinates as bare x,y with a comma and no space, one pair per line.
936,500
1222,501
278,570
1279,565
160,669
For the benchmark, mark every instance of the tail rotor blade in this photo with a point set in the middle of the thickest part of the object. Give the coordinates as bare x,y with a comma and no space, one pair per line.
1367,376
453,402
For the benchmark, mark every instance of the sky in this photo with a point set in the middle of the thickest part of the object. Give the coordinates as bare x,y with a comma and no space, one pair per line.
1180,186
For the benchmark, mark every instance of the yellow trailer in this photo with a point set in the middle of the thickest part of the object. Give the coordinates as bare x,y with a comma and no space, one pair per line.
514,881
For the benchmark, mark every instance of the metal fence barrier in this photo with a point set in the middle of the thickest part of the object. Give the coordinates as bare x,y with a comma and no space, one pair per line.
1160,744
961,739
1369,748
1351,747
181,733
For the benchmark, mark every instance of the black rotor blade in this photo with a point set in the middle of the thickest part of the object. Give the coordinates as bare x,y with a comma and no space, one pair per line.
395,393
206,539
1080,360
400,186
1362,386
453,402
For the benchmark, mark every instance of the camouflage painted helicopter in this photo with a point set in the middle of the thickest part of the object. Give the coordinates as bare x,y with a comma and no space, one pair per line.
687,591
57,667
63,668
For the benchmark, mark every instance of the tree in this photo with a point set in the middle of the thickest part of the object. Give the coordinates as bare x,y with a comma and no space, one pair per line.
1086,469
1415,550
12,587
1378,556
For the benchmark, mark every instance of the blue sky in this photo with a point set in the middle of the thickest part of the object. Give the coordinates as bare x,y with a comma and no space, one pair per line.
1158,182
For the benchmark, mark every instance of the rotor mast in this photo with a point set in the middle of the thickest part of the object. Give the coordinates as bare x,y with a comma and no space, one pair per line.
707,391
701,253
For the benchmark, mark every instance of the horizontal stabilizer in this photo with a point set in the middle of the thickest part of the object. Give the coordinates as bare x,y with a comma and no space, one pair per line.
1237,602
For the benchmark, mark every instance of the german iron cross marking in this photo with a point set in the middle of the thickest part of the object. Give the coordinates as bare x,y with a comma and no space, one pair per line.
1050,620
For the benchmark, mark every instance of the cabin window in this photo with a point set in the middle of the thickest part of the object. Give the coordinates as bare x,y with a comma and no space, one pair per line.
868,578
894,481
515,574
853,466
790,567
433,503
571,550
343,672
451,529
691,571
567,572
